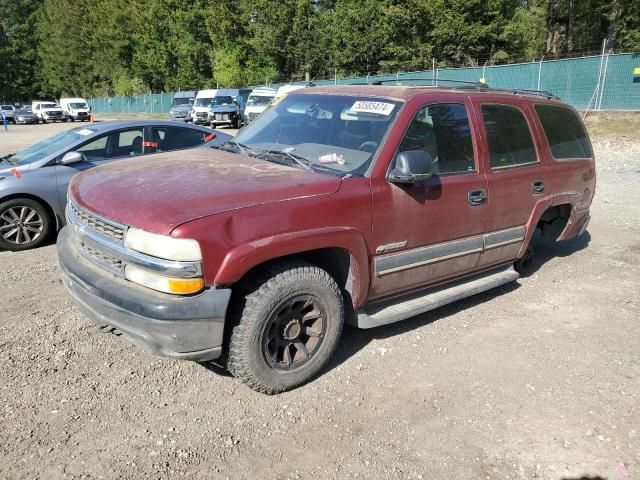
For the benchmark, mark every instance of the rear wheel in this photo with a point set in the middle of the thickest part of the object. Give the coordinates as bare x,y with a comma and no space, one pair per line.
24,224
286,328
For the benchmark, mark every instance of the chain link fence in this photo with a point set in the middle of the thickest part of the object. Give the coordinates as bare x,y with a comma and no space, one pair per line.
600,82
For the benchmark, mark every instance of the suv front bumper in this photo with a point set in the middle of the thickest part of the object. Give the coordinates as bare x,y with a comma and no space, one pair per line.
189,327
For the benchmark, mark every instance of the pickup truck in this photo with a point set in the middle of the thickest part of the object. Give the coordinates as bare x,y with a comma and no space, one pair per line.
362,204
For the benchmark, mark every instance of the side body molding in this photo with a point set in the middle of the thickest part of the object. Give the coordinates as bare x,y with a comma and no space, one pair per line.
243,258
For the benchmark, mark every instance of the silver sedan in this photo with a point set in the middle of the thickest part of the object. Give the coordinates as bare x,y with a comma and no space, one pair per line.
33,181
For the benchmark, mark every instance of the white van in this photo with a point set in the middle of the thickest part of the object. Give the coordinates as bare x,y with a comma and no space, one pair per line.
202,106
75,108
285,89
47,112
258,101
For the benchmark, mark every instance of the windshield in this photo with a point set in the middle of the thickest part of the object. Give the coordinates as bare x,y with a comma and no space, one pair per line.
222,101
336,132
50,145
49,105
180,101
6,107
259,100
78,105
203,102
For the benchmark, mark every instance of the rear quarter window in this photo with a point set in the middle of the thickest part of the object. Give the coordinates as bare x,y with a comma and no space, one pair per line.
564,131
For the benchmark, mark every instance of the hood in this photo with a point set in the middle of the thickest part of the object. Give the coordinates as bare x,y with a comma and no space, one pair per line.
160,192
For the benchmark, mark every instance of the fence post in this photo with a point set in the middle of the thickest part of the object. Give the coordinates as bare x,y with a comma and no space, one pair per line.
540,72
604,79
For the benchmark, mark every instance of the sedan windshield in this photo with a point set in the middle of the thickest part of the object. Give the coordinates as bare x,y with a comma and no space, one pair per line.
327,132
50,145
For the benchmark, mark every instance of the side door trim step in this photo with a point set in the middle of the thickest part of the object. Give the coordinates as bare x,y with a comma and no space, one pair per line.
397,309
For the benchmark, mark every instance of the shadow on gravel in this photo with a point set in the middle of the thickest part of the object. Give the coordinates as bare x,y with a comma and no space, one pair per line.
354,339
585,478
546,249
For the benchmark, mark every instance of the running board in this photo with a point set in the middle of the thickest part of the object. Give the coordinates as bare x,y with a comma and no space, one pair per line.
398,309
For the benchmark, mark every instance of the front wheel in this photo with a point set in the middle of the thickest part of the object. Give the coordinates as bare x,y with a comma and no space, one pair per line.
287,326
24,224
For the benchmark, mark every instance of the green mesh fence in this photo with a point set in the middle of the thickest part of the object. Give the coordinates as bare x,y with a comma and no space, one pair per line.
599,82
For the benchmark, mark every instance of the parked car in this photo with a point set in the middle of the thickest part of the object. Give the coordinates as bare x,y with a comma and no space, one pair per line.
202,107
75,109
366,204
258,101
25,116
33,181
181,106
48,112
8,112
226,108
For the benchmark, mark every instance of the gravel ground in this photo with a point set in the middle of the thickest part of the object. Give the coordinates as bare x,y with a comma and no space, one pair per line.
538,379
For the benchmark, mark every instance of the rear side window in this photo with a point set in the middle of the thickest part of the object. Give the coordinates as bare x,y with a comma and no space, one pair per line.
176,138
564,131
509,137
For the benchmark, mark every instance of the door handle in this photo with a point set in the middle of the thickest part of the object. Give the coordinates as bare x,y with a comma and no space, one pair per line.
477,197
537,186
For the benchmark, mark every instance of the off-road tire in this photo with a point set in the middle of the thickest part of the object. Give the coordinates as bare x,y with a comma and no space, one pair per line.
47,224
257,304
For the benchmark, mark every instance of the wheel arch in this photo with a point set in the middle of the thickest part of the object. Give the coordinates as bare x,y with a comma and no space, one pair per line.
52,214
550,216
341,252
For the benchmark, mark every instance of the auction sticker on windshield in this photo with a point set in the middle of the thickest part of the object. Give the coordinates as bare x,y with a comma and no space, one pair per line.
381,108
84,131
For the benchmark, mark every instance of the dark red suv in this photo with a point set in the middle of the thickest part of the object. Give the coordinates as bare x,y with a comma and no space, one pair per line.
365,204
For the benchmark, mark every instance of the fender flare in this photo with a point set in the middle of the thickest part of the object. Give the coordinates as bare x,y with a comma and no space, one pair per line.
540,207
242,258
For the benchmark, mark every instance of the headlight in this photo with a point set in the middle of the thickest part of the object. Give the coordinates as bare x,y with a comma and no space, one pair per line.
163,246
179,286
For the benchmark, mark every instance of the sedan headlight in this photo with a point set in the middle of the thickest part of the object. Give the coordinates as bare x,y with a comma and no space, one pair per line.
163,246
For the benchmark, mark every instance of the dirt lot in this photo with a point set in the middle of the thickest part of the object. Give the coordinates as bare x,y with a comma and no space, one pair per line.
534,380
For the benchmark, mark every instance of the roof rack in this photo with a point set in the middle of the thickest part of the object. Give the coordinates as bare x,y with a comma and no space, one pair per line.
537,93
432,82
468,85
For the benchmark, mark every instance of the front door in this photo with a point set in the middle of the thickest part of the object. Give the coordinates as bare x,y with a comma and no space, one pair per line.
427,233
106,148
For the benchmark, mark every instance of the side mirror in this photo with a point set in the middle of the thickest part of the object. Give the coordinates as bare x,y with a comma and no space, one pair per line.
71,157
412,166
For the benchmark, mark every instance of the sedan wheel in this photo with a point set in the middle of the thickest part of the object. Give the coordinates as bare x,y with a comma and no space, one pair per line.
24,224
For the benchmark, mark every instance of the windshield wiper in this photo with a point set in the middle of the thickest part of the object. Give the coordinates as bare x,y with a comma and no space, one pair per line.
298,160
242,149
7,157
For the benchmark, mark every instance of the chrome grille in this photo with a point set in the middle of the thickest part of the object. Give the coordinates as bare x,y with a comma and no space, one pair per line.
96,223
104,259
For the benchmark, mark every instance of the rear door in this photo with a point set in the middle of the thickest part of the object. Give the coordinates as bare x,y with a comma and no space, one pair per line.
426,233
118,145
516,176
